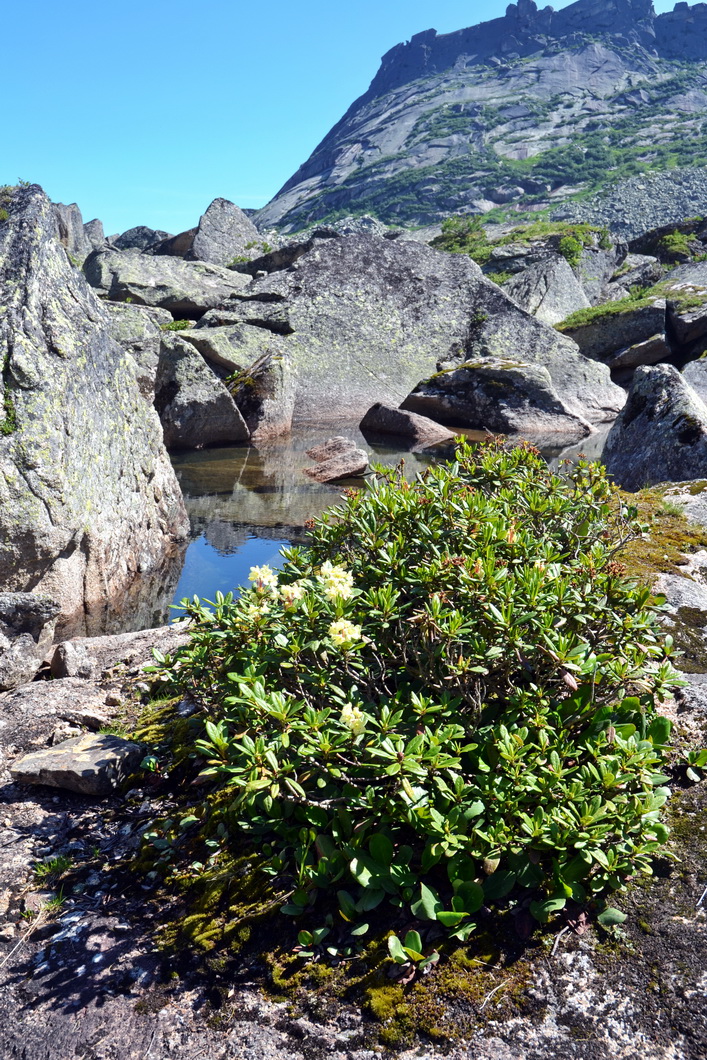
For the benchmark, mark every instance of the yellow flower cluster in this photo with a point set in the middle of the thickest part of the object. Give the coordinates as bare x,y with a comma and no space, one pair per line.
337,582
292,594
344,633
264,577
353,719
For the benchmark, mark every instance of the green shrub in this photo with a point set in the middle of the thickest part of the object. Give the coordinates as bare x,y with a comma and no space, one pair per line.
571,250
177,325
464,235
445,701
675,245
3,214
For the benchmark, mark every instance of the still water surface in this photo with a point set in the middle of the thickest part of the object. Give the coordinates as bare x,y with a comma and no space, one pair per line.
246,504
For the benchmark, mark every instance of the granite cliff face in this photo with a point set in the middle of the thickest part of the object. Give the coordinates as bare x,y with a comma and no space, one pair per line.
527,109
90,509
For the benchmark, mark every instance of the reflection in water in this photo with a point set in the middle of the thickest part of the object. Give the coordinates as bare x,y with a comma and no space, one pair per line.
245,504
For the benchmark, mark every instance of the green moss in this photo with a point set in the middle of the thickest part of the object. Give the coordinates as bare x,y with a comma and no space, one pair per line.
177,325
670,537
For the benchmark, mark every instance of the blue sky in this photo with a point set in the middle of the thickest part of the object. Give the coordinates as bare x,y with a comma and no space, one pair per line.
142,112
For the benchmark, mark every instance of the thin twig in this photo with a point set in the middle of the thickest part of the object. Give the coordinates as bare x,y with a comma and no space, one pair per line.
33,927
704,895
489,996
557,940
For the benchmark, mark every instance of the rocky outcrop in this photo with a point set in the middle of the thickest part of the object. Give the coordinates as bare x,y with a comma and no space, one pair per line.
265,393
140,238
419,431
194,406
661,434
89,764
185,288
224,233
228,349
633,323
89,504
503,396
27,623
138,329
338,458
363,319
548,290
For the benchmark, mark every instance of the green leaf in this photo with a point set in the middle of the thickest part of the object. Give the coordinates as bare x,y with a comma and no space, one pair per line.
428,904
381,848
413,941
659,730
499,884
542,911
471,895
370,899
396,951
610,917
448,918
360,929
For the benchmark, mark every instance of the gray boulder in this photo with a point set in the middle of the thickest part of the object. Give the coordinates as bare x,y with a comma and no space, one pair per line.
265,393
365,318
228,349
140,238
695,375
194,406
138,329
91,764
661,434
27,624
498,395
224,233
185,288
95,236
638,270
336,459
548,290
419,431
174,246
70,227
649,351
603,336
89,503
72,659
596,267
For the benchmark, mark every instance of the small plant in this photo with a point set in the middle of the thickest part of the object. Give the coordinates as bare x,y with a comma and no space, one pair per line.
446,701
571,250
3,214
115,728
177,325
53,869
409,951
499,277
695,763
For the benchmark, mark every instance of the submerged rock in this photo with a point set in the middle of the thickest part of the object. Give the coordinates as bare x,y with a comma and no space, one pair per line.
185,288
335,459
420,431
91,764
89,503
498,395
661,434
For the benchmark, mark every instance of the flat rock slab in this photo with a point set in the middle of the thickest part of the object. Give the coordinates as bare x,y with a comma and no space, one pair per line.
336,458
92,764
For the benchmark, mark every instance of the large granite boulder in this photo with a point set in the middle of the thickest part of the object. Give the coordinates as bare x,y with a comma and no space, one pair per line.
138,329
622,325
71,231
228,349
89,504
365,318
548,290
27,624
140,238
95,236
686,292
265,393
185,288
224,233
194,406
695,375
510,397
661,433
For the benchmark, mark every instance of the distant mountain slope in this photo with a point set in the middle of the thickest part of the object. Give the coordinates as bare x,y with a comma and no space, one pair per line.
529,109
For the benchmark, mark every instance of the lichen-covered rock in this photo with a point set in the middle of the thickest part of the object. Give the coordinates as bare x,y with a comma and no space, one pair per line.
71,231
649,351
27,624
194,406
364,319
419,431
602,337
89,504
138,329
224,233
548,290
92,764
661,433
498,395
228,349
186,288
638,270
140,238
265,392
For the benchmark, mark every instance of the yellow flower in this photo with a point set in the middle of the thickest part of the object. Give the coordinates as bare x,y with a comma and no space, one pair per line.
264,577
353,719
255,611
344,633
336,582
292,594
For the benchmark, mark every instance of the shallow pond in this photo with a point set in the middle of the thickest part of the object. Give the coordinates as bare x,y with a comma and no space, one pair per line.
246,504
